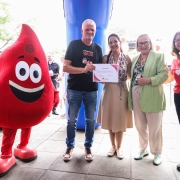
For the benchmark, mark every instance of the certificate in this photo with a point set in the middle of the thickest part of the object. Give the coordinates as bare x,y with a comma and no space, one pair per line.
105,73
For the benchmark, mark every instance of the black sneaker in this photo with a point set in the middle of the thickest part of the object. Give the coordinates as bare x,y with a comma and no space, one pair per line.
54,112
178,167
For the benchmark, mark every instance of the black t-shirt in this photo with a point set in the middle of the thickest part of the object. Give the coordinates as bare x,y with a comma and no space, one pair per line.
55,68
79,53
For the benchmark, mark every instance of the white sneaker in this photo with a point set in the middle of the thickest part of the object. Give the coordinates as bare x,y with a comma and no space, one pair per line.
157,159
140,155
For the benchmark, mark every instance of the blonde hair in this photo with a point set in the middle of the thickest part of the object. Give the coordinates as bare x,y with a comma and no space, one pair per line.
151,46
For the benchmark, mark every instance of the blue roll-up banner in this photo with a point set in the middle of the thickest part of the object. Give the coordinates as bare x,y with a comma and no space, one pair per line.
75,12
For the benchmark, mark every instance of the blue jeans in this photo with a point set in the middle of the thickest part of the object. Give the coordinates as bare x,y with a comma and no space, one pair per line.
75,99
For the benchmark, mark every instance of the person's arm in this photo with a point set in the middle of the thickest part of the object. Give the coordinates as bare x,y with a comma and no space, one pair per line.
67,67
162,72
169,79
144,81
104,59
161,75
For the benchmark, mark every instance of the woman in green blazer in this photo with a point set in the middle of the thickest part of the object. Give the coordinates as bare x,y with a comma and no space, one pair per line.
146,97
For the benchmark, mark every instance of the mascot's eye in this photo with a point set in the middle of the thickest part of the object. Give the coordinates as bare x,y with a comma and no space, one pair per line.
35,73
22,70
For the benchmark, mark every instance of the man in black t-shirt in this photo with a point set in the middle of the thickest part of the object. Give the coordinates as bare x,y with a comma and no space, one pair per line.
53,72
79,59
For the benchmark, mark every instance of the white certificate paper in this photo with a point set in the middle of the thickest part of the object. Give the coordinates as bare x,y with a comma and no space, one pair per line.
105,73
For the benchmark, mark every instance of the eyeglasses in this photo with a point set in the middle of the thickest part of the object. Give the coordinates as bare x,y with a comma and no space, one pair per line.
115,41
146,43
177,40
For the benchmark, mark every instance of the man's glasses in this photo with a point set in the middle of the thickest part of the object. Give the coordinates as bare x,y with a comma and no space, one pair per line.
115,41
177,40
145,43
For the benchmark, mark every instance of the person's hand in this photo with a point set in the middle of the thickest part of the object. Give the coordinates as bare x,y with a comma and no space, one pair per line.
51,73
89,67
143,81
59,78
169,68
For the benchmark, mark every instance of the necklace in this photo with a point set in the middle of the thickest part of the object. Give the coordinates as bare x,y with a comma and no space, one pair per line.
114,60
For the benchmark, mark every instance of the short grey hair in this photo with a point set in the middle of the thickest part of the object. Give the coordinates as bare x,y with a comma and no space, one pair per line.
89,21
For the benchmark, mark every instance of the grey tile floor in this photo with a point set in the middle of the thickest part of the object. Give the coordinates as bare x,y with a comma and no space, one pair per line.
49,136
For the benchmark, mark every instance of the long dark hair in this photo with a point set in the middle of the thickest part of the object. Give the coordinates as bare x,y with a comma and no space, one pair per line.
113,34
175,51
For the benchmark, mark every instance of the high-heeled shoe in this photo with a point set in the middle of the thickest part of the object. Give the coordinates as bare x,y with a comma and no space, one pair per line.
111,152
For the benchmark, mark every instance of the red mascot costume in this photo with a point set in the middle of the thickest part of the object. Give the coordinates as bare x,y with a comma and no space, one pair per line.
27,96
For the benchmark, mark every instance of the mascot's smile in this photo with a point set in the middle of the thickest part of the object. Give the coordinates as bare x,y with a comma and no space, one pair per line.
26,94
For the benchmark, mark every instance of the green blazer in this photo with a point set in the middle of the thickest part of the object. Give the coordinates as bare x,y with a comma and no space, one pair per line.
152,97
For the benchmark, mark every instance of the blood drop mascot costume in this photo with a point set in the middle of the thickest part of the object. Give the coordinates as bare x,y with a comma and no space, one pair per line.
27,96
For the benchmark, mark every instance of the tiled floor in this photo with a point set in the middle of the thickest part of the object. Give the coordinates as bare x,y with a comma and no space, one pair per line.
49,140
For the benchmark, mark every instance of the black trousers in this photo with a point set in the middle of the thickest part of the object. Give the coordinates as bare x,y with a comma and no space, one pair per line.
177,104
54,83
